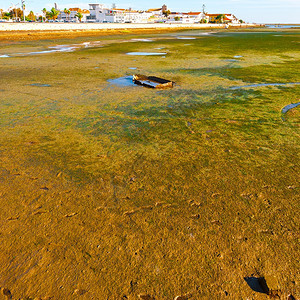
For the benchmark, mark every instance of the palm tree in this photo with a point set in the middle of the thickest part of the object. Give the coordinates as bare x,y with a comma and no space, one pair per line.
67,12
53,13
79,16
220,18
45,13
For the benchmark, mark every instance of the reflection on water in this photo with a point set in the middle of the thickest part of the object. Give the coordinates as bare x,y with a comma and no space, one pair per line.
142,40
262,84
60,48
40,84
205,33
146,53
185,38
290,106
192,35
55,49
232,60
122,81
287,108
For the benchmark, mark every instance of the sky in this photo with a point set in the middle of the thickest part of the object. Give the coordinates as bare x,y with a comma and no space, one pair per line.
258,11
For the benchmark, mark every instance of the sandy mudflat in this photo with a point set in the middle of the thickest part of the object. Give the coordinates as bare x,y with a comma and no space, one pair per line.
101,26
116,191
35,31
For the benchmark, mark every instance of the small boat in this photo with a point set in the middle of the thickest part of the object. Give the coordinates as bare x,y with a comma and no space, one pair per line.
152,82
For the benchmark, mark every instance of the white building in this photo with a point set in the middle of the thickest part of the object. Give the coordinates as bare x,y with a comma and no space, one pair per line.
131,16
157,14
98,13
232,19
197,17
188,18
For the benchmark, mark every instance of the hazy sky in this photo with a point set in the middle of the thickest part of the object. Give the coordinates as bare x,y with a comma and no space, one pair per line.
259,11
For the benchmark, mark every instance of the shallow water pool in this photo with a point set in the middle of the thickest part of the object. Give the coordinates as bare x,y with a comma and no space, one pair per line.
289,107
122,81
146,53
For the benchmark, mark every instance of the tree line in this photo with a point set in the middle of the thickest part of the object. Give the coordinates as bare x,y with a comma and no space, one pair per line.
17,14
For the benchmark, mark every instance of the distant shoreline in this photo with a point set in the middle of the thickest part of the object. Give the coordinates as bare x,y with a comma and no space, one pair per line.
284,24
109,26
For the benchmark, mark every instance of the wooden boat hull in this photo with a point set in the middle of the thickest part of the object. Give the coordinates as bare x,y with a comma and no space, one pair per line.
152,82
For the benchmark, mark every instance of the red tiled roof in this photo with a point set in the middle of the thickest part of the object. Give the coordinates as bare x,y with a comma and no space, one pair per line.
154,9
194,13
212,15
77,9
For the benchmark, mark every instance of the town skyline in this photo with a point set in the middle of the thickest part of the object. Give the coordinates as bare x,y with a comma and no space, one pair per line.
265,11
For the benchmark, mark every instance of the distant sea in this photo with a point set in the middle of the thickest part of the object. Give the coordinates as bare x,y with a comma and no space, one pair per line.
282,26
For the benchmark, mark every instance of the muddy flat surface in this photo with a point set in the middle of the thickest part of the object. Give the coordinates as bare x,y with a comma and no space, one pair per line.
113,191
